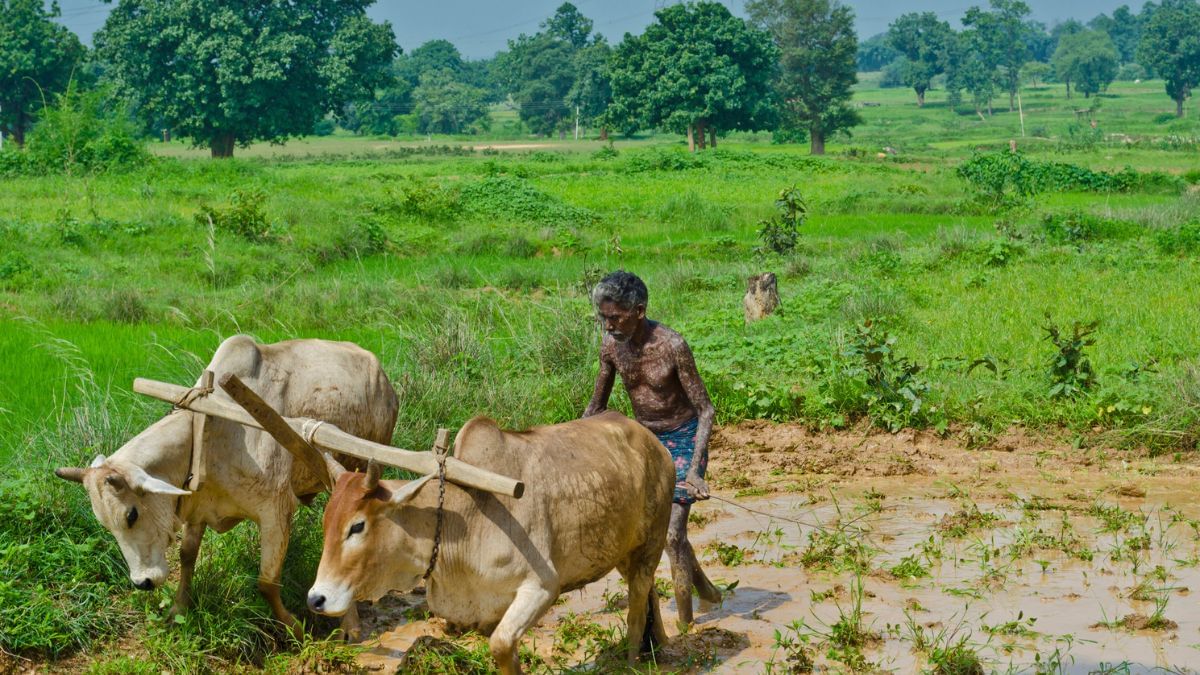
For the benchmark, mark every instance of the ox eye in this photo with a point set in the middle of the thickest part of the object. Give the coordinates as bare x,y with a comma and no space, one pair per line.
131,517
357,528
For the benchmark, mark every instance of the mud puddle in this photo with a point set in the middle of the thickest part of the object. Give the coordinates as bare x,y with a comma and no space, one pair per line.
1030,559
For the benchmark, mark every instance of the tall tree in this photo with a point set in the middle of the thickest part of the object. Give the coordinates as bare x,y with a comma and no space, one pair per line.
1124,28
1171,46
432,56
697,68
542,69
592,91
446,105
37,57
817,45
1088,59
923,40
228,72
1000,34
971,67
875,53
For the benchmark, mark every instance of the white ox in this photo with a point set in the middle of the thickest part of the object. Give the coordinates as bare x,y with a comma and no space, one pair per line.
597,496
137,493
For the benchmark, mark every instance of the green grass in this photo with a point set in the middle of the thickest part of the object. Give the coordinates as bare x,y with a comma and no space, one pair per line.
467,272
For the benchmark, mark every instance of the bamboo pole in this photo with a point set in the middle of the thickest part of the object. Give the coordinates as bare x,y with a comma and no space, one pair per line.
332,439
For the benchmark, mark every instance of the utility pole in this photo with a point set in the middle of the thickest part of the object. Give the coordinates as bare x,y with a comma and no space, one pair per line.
1,133
576,122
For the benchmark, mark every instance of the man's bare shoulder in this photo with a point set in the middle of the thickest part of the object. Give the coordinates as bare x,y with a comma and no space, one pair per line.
669,337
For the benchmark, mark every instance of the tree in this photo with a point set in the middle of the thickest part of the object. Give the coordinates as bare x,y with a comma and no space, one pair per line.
1170,45
37,58
1088,59
592,90
444,105
970,66
817,45
542,69
1124,28
1036,72
1000,36
923,40
875,53
434,55
696,68
230,72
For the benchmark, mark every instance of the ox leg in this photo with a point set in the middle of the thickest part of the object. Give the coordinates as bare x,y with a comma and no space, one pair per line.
527,607
189,552
643,623
273,533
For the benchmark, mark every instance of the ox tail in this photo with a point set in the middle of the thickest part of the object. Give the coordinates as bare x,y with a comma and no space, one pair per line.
649,642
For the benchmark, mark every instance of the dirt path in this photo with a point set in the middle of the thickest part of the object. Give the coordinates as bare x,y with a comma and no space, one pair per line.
1028,554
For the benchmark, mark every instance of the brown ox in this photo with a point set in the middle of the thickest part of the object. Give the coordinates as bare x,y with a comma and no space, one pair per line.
598,496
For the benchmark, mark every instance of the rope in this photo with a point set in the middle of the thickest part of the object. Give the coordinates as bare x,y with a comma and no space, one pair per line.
189,397
794,521
309,429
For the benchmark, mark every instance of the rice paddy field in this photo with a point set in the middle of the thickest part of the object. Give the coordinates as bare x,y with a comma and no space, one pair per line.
1031,316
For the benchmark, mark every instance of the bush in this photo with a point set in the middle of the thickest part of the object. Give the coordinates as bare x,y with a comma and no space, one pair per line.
81,134
1071,371
1182,240
512,198
780,234
244,215
421,198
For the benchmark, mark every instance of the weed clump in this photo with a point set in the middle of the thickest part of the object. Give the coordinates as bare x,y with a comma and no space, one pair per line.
1071,372
244,216
780,234
513,198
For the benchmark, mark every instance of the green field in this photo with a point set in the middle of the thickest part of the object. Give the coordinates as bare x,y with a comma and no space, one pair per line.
467,272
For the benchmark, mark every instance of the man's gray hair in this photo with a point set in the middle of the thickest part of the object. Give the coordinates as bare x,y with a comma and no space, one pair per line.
622,288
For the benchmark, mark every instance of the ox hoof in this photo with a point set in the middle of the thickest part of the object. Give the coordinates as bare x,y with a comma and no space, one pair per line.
177,609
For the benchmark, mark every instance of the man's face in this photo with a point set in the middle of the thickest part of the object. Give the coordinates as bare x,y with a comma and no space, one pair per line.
619,322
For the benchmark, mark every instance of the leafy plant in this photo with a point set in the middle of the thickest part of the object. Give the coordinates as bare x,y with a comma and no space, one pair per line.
244,216
781,234
1071,371
895,396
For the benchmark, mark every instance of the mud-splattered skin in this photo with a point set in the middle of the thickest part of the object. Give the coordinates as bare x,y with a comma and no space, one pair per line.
660,376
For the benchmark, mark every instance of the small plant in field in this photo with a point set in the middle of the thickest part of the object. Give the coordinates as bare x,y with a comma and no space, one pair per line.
781,234
894,396
909,567
946,651
1018,627
1071,371
244,216
729,555
846,637
795,642
965,520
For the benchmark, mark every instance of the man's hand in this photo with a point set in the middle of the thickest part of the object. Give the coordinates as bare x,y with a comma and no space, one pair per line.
696,487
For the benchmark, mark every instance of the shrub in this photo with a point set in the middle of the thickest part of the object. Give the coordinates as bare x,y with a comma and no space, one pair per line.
1182,240
421,198
781,233
513,198
244,216
82,134
1071,370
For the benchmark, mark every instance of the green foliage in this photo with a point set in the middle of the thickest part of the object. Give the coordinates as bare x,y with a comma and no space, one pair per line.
695,64
1000,39
894,396
1181,240
226,74
244,216
817,69
1169,47
876,53
1071,372
37,58
924,40
81,134
1087,59
780,234
419,197
446,106
515,199
910,567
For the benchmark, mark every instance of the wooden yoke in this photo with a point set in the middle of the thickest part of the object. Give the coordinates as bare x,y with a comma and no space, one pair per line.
274,424
327,437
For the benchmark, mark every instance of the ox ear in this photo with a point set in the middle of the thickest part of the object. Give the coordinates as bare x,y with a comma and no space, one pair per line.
410,490
97,462
334,468
144,483
374,471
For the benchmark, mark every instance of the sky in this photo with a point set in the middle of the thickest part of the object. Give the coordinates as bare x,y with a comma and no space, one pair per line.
480,28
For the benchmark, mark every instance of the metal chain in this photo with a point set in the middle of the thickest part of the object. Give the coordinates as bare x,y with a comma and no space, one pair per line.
437,529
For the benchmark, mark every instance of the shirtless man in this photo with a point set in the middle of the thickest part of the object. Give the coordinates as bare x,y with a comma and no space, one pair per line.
668,397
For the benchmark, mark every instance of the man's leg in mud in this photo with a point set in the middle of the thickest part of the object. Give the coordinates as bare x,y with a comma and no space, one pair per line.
685,569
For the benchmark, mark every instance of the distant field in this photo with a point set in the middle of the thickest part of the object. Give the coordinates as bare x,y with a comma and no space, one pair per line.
467,272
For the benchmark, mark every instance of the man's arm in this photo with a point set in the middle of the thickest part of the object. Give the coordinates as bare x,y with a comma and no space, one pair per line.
693,386
603,388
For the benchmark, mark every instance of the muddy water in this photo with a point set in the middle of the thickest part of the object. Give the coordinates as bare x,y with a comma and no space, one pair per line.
1032,587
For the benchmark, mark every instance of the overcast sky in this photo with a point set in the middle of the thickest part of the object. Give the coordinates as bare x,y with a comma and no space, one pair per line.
480,28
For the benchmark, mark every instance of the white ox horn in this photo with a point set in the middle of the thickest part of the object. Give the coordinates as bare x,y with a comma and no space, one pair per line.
335,469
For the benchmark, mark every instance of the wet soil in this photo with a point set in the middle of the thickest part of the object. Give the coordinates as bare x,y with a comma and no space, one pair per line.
1027,552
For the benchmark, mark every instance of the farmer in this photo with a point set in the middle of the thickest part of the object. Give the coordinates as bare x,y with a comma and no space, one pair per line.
668,397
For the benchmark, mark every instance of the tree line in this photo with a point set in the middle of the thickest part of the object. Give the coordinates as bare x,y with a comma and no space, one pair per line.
224,74
998,50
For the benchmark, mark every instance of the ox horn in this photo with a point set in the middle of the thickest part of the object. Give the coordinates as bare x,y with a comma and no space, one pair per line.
70,473
374,471
335,469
